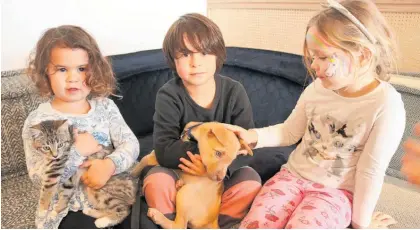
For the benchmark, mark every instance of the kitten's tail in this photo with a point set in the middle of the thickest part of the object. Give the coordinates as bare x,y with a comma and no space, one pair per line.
148,160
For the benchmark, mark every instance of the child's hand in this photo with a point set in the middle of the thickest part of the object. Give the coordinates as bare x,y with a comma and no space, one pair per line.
98,172
411,159
85,143
249,136
193,167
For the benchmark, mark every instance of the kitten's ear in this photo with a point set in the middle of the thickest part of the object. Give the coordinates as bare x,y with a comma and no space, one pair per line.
70,129
35,131
37,127
59,123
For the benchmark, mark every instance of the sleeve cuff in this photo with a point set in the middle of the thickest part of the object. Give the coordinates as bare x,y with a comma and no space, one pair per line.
117,163
259,140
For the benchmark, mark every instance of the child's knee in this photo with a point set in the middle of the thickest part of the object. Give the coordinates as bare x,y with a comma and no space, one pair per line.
247,175
159,184
244,184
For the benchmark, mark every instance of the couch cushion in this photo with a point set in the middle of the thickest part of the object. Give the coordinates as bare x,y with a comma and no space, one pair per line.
18,203
401,200
411,99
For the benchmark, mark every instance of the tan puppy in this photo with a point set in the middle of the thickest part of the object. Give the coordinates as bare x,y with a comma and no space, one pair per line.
198,198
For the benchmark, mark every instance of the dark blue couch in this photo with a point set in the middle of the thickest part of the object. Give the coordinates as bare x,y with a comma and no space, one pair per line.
273,81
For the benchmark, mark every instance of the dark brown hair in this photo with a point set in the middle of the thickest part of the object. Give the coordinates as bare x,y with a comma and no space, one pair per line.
99,77
203,34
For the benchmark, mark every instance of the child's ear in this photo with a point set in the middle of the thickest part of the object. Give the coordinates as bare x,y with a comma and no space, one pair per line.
365,56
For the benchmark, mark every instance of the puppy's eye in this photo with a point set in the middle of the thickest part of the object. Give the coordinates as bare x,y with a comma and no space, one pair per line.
46,148
218,154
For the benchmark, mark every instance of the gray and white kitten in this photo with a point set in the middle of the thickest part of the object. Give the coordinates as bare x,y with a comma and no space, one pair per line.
110,205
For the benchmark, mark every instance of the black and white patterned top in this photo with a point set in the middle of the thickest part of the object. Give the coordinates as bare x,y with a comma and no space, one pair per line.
105,122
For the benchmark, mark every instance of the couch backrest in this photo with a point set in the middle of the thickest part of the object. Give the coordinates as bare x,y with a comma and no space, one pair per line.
18,99
140,75
273,81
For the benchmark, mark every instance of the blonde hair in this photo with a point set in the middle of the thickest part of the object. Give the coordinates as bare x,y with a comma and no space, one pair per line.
100,76
342,33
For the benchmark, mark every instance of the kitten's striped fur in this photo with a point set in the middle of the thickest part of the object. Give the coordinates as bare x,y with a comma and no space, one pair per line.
111,203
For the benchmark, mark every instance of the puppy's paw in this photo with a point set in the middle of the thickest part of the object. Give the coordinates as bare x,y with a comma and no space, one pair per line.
156,216
103,222
178,185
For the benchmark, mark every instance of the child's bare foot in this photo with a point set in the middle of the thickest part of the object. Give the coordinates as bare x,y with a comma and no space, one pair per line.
381,220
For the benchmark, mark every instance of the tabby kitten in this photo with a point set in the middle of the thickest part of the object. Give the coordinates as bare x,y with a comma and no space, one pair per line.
110,205
53,139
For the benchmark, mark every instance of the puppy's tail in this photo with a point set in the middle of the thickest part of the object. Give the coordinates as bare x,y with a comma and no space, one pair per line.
148,160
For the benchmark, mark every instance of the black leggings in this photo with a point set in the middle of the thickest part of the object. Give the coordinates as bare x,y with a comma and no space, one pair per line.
78,220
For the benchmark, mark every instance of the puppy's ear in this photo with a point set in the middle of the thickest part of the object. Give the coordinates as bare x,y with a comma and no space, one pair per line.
245,148
221,134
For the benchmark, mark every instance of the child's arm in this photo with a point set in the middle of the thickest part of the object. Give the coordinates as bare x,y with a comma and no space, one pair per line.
169,149
383,141
127,147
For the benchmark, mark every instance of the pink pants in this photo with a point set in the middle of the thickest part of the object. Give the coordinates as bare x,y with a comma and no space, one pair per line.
286,201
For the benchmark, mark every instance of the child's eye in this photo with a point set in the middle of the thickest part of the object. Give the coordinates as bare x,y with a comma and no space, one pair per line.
218,154
185,54
62,70
204,53
323,58
82,69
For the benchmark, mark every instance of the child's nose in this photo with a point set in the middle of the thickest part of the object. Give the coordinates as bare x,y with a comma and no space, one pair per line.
315,66
73,76
196,59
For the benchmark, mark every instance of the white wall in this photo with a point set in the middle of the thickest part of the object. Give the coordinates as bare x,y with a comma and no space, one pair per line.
119,26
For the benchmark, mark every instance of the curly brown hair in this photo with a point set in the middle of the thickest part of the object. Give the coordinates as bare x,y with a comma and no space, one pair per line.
204,35
99,77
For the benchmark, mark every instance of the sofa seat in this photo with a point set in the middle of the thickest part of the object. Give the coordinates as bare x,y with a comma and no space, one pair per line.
18,202
401,200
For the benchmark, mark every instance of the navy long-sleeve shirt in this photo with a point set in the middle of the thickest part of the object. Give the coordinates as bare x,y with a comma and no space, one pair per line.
175,108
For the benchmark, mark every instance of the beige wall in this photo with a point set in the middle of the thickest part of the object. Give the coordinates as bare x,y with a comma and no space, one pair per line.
274,25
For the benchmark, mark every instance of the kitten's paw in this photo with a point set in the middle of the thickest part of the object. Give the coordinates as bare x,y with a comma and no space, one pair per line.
156,216
103,222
